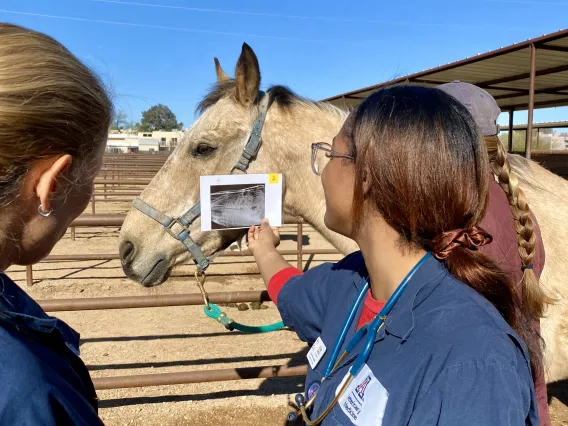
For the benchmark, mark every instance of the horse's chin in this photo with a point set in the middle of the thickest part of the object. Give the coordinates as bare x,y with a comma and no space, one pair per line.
158,274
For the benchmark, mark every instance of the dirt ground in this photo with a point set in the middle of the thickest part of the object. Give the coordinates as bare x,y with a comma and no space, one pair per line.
175,339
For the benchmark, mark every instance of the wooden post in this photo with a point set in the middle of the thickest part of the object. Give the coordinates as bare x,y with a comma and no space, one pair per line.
29,275
510,141
93,203
531,103
72,233
299,246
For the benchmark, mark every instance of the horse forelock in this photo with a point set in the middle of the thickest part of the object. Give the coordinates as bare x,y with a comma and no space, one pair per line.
217,92
280,95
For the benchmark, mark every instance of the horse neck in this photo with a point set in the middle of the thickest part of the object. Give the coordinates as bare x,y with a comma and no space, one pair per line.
288,135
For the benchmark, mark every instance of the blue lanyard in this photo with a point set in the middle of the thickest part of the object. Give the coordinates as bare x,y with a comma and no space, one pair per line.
371,328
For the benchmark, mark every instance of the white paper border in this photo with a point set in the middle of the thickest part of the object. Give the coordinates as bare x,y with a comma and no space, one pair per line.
272,195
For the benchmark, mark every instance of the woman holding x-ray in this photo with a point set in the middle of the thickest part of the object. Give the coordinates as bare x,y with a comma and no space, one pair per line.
418,327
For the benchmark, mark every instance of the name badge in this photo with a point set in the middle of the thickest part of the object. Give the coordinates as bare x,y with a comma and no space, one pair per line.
365,400
316,353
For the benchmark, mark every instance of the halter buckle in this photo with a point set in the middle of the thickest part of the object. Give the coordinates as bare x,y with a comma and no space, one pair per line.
169,228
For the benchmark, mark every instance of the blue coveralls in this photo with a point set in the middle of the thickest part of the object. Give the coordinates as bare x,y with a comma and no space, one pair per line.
43,380
445,356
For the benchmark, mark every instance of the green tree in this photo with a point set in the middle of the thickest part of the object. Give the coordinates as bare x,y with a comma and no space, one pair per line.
131,125
119,121
519,141
159,117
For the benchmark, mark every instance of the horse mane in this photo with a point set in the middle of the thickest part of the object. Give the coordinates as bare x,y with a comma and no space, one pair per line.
282,96
522,169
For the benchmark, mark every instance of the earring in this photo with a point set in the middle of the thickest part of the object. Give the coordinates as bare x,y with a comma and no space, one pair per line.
43,213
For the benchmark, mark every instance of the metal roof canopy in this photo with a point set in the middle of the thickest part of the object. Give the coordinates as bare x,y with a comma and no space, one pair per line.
504,73
527,75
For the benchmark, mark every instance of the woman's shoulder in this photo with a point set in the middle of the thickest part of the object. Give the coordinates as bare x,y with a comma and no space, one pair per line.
32,373
469,326
25,362
353,260
499,222
351,265
15,353
24,369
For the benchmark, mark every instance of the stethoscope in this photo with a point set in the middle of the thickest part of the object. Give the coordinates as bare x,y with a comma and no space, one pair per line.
370,329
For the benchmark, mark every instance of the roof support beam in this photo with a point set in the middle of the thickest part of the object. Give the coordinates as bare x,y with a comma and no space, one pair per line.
541,125
425,81
553,48
510,135
531,102
541,104
558,90
523,76
483,86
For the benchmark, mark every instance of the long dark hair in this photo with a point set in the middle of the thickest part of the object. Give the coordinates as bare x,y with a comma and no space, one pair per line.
428,168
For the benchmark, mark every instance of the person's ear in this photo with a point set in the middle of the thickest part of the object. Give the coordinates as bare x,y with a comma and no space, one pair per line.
52,172
366,182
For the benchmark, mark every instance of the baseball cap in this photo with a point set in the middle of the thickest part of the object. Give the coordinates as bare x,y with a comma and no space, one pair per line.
480,104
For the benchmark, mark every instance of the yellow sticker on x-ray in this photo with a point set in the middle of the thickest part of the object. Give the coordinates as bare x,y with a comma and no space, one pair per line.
273,178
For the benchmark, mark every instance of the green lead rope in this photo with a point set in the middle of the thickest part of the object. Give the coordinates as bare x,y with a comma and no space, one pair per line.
215,312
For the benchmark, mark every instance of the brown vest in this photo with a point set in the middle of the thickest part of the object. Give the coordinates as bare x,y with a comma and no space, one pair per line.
499,223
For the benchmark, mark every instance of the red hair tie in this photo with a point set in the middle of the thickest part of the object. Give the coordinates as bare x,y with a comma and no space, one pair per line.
471,238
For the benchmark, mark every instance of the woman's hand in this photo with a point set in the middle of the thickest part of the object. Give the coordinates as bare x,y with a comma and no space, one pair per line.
264,238
262,242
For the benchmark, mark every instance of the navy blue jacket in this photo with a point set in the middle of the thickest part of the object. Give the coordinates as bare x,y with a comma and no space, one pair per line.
43,380
445,356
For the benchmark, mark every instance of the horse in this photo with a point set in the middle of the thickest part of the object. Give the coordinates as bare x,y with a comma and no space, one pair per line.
213,146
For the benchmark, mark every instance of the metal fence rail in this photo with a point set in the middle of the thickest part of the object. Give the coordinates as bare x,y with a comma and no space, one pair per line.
126,175
129,302
200,376
117,220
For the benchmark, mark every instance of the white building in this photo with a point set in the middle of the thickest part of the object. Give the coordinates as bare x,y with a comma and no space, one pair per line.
143,141
122,143
148,145
166,139
559,140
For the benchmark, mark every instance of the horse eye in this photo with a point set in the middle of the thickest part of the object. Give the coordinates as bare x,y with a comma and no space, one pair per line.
203,150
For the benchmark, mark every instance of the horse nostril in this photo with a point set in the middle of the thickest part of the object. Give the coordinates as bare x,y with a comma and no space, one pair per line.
126,251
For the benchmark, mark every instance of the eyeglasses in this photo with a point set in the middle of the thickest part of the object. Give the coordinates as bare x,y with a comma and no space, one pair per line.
321,149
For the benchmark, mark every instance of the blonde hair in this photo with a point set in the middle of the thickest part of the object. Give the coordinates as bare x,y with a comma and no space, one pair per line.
534,298
50,104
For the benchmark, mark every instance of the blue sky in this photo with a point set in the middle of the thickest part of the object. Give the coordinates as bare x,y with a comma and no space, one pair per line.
150,54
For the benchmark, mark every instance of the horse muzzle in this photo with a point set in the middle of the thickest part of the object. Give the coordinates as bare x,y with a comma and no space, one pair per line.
150,272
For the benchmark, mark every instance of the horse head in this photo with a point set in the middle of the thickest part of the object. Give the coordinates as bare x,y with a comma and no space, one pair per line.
212,146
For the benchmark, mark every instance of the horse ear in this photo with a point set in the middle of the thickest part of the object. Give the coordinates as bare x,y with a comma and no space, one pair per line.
247,76
221,75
